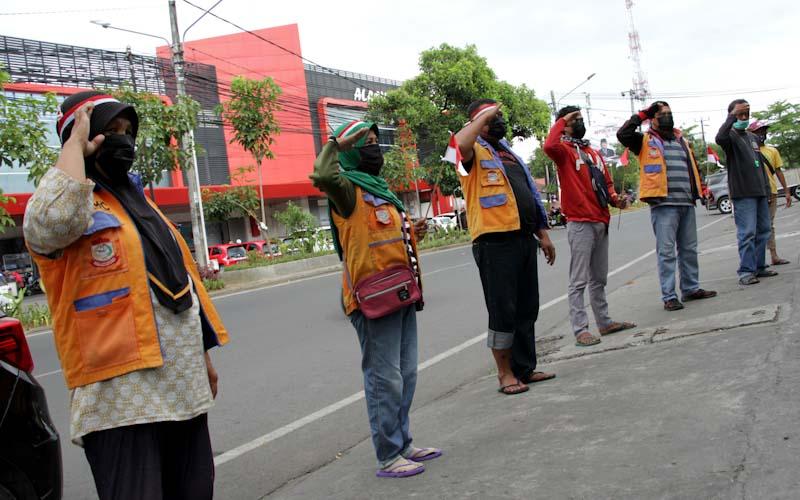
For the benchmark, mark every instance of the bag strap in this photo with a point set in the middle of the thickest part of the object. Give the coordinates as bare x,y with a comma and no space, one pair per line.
764,157
405,229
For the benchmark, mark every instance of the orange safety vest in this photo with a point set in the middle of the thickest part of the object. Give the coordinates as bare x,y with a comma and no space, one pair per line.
371,240
99,297
653,168
491,205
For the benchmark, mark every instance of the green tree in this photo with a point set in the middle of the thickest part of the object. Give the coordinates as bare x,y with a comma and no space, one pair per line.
23,138
162,127
624,176
784,130
299,223
220,204
539,162
399,170
434,103
251,112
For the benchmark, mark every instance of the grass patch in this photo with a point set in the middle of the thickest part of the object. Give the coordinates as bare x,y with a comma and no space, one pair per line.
255,259
213,284
441,239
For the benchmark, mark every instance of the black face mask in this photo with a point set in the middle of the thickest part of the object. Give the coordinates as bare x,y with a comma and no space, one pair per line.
498,128
371,159
666,124
578,129
116,156
761,138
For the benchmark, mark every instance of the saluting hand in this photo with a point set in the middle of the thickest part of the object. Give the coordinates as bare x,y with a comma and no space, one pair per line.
346,143
80,131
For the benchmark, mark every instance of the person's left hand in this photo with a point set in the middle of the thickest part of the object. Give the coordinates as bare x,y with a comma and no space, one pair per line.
547,246
622,202
213,377
788,199
420,229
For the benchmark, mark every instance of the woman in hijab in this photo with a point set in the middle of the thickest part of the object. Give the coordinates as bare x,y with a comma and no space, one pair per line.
132,320
372,234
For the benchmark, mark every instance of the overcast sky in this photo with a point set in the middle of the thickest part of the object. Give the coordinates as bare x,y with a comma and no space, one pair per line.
717,49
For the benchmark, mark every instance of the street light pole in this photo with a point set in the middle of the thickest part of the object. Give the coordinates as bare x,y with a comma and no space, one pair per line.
195,200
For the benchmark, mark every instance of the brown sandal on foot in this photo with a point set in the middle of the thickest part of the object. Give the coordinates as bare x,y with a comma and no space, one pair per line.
538,377
586,339
508,391
617,327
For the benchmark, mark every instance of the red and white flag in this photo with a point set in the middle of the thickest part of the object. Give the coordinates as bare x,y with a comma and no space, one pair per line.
623,160
453,155
712,156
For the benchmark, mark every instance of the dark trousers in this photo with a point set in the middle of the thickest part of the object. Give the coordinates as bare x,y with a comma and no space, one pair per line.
159,461
510,279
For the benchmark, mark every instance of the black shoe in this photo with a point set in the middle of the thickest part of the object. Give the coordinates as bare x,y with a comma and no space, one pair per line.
699,294
673,305
766,273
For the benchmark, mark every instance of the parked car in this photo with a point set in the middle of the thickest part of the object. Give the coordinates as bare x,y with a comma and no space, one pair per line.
717,196
442,223
30,452
261,246
320,239
8,288
227,254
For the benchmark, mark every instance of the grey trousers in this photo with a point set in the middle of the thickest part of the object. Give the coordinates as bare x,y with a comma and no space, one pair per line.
588,266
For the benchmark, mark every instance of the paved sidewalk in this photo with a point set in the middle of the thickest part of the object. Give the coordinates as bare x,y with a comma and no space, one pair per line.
701,403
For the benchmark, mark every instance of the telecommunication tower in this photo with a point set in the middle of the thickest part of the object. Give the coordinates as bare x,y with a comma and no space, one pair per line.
640,90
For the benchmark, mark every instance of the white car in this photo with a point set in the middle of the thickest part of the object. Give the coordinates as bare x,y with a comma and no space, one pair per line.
445,223
8,289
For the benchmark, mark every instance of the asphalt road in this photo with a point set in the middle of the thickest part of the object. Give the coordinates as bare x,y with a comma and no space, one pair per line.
293,354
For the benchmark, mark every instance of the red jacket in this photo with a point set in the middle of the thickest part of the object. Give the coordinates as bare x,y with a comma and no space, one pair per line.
578,200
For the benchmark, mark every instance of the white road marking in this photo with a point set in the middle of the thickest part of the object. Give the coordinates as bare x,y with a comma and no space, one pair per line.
332,408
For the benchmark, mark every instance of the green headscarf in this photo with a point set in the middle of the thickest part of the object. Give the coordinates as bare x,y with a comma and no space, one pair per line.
348,163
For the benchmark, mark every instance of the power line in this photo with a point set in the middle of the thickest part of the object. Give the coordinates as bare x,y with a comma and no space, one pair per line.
75,11
330,70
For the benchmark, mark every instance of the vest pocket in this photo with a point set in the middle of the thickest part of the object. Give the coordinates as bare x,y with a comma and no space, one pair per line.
492,178
494,200
652,168
106,330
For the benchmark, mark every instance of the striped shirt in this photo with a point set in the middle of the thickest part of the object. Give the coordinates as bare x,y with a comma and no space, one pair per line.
679,185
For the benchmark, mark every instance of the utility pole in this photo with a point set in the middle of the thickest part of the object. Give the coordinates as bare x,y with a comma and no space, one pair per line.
195,201
129,57
705,145
588,108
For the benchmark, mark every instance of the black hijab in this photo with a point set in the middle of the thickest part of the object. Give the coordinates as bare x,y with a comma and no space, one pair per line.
166,270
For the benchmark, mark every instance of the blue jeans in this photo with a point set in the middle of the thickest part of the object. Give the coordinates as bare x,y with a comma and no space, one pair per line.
752,233
389,364
675,227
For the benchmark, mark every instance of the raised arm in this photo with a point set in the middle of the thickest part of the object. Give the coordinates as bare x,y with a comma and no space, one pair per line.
467,136
60,210
327,177
552,145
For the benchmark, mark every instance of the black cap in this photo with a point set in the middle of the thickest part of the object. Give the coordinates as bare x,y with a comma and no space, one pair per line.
106,109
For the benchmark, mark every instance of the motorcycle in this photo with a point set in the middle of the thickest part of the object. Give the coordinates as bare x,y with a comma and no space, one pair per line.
556,218
32,285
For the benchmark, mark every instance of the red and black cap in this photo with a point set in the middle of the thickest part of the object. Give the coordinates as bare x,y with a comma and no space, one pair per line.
106,108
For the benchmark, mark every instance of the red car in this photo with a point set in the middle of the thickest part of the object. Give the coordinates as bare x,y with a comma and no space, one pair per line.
30,453
227,254
261,246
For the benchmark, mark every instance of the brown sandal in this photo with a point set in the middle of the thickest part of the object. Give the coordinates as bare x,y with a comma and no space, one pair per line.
586,339
617,327
539,377
508,391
